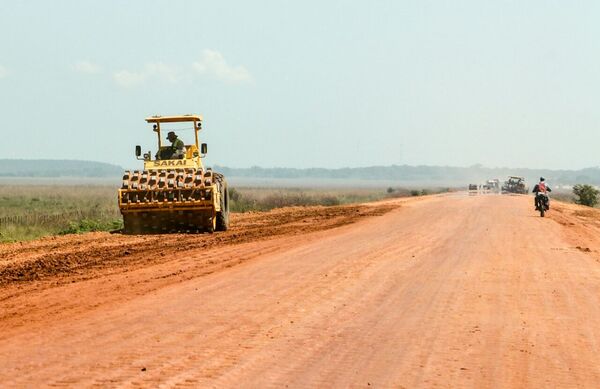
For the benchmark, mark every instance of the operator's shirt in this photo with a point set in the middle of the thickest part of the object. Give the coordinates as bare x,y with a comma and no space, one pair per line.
177,144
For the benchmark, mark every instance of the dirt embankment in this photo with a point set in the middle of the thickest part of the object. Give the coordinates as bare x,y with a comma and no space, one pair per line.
582,226
77,257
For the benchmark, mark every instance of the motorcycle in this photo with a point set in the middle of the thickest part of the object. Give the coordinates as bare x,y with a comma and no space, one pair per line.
543,202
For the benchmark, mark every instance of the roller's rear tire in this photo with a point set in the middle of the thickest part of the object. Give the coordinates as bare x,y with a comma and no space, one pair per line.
223,214
222,221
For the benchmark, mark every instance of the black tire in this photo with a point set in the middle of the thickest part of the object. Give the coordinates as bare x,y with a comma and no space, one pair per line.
542,207
223,215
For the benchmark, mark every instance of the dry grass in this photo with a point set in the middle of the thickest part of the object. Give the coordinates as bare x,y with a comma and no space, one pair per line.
264,199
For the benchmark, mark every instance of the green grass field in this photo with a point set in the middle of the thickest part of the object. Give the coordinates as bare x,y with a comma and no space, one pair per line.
31,211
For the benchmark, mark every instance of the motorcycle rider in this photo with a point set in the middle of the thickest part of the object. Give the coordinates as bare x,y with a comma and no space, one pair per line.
541,187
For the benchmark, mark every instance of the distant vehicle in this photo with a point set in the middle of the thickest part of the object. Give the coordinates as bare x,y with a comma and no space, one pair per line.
492,185
542,201
515,184
472,186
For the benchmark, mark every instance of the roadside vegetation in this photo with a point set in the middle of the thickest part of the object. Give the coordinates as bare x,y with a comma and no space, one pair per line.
32,211
582,194
265,199
586,195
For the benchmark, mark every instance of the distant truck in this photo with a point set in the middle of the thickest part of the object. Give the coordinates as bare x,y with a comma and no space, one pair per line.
515,184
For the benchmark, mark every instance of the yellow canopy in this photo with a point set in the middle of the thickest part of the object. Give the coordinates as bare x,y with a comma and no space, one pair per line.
174,119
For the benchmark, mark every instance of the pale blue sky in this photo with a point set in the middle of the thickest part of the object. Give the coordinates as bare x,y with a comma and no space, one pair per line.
306,83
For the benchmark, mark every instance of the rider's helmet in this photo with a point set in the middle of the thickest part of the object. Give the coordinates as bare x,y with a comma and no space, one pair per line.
542,179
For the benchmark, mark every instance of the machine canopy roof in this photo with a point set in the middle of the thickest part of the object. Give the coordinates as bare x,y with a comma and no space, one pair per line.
174,119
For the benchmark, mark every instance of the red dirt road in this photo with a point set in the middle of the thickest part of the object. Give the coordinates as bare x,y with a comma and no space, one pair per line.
451,292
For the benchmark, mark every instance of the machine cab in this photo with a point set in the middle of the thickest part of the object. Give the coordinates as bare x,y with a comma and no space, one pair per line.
166,157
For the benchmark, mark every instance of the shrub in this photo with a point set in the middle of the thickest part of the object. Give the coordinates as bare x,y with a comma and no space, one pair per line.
586,195
415,192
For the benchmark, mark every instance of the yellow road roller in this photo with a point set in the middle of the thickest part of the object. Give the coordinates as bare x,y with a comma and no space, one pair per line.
174,192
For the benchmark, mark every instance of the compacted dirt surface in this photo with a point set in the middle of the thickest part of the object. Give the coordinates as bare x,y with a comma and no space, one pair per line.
447,291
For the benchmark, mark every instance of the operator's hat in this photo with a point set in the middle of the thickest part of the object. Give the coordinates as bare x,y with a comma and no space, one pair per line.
171,133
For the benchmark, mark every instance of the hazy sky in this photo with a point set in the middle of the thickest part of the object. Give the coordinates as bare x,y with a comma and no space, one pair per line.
306,83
